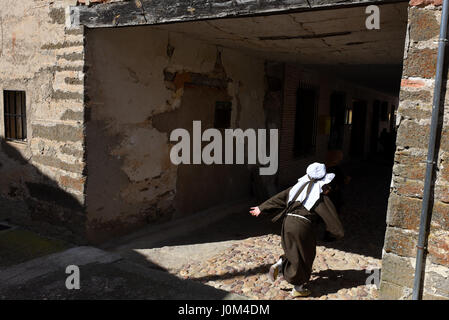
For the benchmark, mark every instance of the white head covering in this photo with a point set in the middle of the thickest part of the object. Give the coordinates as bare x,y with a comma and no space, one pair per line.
316,171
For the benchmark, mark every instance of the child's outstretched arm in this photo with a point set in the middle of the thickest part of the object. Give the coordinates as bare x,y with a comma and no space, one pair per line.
274,204
255,211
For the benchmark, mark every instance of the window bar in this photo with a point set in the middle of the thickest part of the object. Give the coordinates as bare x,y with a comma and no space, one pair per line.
5,106
15,115
19,116
24,128
8,117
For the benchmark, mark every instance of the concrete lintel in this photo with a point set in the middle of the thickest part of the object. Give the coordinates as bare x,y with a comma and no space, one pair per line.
152,12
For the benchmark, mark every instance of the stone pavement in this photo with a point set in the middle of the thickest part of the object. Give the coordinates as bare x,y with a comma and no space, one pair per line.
242,269
103,275
215,258
235,253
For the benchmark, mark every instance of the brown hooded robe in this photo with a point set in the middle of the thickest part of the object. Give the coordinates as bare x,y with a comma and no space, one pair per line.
298,236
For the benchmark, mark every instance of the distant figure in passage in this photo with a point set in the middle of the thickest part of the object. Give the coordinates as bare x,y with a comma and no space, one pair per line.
386,140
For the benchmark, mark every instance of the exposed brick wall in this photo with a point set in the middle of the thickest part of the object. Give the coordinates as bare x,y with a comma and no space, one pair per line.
291,167
422,2
405,200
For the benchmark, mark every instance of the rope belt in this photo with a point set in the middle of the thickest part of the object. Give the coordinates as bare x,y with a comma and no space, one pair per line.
299,216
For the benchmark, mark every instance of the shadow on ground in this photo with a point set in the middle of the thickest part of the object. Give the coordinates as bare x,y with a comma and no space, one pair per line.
331,281
363,215
364,210
323,282
101,276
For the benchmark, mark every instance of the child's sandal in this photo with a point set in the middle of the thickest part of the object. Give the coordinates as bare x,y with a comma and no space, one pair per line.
274,272
300,293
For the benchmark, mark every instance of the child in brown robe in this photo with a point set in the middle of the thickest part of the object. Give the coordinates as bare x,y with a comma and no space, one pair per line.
300,206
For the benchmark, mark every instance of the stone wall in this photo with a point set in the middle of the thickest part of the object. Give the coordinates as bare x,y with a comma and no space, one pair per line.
404,208
143,83
42,178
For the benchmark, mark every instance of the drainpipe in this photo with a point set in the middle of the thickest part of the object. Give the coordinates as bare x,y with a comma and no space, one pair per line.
432,155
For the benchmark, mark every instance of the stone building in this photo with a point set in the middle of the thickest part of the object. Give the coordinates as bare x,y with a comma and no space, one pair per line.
404,205
91,91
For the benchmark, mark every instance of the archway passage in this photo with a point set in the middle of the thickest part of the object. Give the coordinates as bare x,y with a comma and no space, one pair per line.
277,71
321,68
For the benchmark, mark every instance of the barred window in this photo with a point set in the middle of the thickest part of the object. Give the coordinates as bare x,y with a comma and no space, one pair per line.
15,115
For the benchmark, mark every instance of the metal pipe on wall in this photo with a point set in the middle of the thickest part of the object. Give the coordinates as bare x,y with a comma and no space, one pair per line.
432,156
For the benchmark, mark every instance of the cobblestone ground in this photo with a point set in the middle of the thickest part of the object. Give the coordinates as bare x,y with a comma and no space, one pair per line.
340,269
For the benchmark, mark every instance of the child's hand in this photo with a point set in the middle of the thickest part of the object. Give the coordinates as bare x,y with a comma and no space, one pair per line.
255,211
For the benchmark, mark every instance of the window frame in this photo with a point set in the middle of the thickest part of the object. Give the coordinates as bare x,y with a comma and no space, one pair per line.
9,114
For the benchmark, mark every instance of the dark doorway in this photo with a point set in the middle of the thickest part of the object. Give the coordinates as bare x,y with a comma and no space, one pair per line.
337,113
196,185
358,128
375,127
305,122
384,111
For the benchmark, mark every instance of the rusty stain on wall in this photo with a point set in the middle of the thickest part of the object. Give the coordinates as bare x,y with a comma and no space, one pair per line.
174,80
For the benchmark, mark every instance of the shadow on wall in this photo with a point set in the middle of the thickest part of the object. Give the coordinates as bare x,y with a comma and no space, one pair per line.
30,198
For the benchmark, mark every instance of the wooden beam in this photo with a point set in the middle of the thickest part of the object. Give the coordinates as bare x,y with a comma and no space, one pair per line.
151,12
